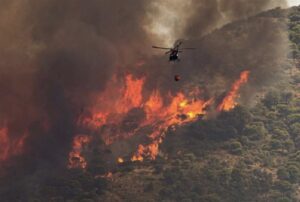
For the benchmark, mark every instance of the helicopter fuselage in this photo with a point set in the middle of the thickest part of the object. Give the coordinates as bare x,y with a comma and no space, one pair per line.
173,52
174,55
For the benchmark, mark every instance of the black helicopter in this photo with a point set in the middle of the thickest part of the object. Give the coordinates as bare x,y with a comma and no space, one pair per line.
174,52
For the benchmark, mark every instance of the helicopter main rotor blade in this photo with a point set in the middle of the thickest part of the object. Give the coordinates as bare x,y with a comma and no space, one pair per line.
161,47
187,48
178,44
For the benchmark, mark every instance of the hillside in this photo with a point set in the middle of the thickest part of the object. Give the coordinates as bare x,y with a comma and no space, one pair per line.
247,154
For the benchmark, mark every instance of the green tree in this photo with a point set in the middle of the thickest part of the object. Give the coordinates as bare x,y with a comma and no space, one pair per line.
271,99
275,144
255,131
295,129
294,173
235,147
281,134
283,174
284,186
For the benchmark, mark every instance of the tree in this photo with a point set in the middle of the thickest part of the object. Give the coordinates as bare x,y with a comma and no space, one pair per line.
293,118
294,174
235,147
283,174
255,131
295,129
275,144
238,118
280,133
284,199
271,99
284,186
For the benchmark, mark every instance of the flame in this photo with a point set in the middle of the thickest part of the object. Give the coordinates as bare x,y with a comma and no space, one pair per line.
114,102
154,103
120,160
150,151
133,93
183,104
4,144
162,113
139,155
229,102
76,160
168,116
108,175
10,146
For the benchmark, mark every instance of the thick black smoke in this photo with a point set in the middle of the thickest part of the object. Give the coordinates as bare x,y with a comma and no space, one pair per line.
56,55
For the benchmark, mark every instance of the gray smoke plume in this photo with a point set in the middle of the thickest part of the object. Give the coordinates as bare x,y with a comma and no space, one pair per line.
255,43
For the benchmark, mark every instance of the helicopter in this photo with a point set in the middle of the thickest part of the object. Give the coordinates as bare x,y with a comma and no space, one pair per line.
174,52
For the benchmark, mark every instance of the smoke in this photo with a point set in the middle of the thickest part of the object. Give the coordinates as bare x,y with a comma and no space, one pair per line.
250,42
56,56
173,19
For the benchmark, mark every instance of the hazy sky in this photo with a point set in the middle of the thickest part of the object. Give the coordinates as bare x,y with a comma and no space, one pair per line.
294,2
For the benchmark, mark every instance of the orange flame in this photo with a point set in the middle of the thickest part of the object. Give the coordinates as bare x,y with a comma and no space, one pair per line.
139,155
229,102
116,101
168,116
133,92
154,104
76,160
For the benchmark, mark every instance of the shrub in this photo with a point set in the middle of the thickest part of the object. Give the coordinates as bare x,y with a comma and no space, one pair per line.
275,144
235,147
255,131
283,174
